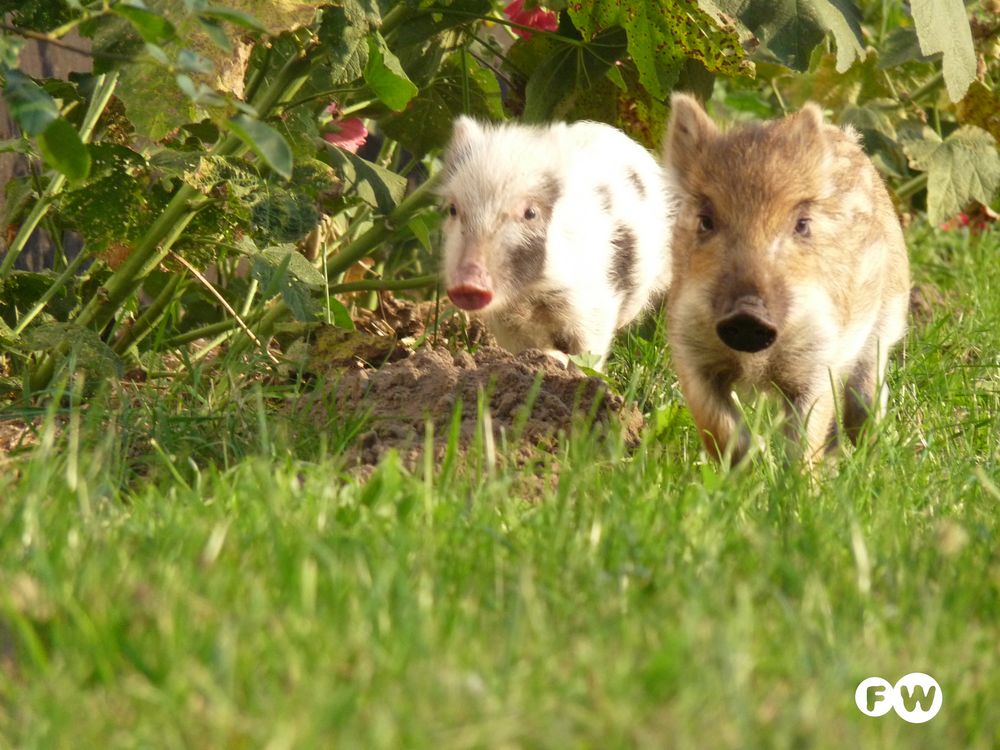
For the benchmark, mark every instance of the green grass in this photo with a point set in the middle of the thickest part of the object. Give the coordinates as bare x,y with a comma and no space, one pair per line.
184,569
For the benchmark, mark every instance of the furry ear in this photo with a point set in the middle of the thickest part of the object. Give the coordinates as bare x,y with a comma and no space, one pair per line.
463,132
690,130
806,124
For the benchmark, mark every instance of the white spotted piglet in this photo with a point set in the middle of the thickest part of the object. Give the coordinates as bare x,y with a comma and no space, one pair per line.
556,235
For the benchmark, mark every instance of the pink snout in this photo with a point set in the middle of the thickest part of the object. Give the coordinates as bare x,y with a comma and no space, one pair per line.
471,288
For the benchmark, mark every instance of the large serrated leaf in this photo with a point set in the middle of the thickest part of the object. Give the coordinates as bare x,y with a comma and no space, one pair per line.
567,71
791,29
153,102
63,150
296,263
264,141
962,168
30,106
344,33
375,185
283,216
152,27
980,107
446,15
426,123
662,35
943,26
79,343
386,77
285,270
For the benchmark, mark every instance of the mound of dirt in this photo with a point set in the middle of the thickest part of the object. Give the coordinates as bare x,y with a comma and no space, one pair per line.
401,396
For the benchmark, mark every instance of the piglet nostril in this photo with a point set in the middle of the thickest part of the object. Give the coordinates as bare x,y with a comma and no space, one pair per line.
745,331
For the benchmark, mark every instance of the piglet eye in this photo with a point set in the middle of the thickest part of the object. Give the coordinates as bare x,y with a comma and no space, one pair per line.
452,209
802,228
706,216
530,213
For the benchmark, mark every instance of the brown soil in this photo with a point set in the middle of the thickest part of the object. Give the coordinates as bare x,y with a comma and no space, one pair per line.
403,395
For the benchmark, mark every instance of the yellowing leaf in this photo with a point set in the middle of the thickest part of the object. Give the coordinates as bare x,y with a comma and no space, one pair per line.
661,35
962,168
943,26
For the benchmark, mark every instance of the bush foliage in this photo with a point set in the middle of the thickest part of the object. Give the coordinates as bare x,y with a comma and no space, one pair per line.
209,161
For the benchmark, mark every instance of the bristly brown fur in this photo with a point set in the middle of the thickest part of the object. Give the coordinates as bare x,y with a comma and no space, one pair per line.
790,218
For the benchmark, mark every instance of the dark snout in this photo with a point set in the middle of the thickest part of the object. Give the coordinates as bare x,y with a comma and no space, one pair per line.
747,326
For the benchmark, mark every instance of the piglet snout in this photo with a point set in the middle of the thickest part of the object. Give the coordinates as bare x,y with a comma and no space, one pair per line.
471,287
748,326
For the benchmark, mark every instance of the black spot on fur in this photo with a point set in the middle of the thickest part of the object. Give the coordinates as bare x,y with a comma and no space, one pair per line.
527,260
604,192
623,261
636,180
548,194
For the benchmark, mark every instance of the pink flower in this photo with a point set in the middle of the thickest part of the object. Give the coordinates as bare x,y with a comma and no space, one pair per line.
349,134
544,20
976,220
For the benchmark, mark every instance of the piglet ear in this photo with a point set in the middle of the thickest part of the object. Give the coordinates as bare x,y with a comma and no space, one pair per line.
463,132
806,124
690,130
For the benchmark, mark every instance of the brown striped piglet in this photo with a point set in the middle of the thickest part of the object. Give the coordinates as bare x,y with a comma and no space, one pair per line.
790,275
556,235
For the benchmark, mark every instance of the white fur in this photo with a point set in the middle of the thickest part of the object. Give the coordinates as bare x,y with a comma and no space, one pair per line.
493,172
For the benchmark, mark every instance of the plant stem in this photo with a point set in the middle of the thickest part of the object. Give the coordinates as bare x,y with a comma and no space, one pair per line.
361,246
56,285
156,243
102,94
384,285
210,329
264,328
927,86
150,316
146,256
912,186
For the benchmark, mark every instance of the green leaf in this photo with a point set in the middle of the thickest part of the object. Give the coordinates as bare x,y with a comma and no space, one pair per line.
962,168
791,29
340,315
943,26
662,35
568,70
79,342
278,269
980,107
235,17
385,76
154,103
152,27
63,150
111,208
376,186
265,141
450,13
344,32
283,216
839,18
10,50
426,123
418,225
296,263
276,16
30,106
